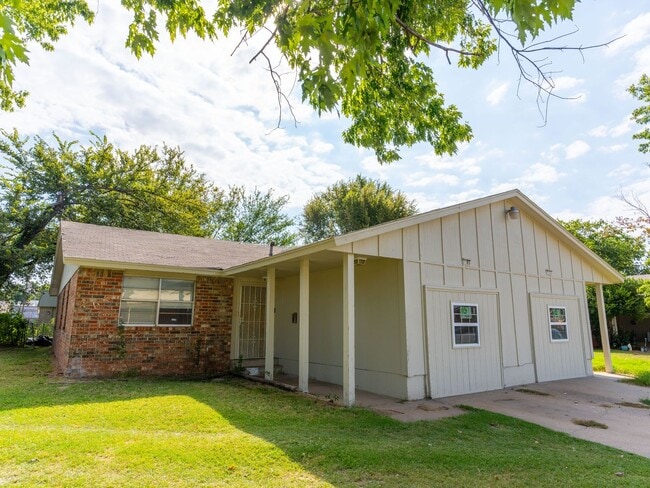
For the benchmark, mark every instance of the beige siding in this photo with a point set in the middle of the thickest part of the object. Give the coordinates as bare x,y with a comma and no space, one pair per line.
380,330
484,250
460,370
558,360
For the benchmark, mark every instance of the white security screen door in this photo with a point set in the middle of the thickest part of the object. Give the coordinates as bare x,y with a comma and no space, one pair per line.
252,321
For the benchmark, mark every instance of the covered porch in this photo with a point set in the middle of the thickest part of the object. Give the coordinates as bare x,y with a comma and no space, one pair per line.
328,318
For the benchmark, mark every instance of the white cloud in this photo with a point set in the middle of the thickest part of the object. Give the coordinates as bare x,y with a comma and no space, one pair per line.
622,128
613,148
497,93
567,83
600,131
576,149
422,179
634,33
540,173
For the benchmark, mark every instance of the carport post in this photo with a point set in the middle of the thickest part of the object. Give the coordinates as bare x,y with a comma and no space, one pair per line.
303,328
602,321
269,363
348,331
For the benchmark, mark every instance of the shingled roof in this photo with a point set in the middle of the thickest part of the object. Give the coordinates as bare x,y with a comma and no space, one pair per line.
88,242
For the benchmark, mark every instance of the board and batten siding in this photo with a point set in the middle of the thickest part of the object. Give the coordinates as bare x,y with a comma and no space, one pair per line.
483,249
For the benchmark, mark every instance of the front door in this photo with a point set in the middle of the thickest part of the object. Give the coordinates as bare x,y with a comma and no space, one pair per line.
252,321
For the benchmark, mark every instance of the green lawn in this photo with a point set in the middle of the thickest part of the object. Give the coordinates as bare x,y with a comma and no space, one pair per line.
631,363
55,432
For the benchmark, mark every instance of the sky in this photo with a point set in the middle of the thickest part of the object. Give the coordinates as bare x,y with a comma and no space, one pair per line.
223,112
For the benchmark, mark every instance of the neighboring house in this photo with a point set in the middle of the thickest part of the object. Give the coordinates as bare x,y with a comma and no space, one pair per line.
46,308
472,297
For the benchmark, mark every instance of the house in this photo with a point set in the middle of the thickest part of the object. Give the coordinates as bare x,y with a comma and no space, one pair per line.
46,308
473,297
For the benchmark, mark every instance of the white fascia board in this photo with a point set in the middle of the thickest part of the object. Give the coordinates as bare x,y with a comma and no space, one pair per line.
96,263
295,253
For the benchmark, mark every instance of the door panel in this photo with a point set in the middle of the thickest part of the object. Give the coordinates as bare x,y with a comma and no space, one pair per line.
465,369
252,321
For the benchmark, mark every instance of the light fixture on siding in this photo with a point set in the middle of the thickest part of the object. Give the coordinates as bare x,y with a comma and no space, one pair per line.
359,261
513,213
466,262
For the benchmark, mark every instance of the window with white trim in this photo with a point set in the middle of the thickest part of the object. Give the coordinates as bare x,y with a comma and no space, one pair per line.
465,324
156,301
558,324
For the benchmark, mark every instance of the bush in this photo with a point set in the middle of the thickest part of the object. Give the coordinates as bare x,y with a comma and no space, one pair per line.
13,329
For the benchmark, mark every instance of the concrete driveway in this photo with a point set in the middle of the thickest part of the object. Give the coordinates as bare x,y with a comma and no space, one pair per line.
556,405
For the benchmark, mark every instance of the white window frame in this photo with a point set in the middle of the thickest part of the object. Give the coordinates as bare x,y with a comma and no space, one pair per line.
552,323
157,301
465,324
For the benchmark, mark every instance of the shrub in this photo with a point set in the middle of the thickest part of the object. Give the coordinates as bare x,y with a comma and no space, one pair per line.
13,329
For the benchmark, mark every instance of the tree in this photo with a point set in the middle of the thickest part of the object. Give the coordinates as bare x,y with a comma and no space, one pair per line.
351,205
256,217
625,252
365,60
25,21
147,189
641,115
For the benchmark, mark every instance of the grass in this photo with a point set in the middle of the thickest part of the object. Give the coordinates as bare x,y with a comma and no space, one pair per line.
632,363
131,432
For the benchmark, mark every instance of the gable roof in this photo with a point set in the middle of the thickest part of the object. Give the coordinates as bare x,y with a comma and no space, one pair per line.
114,247
111,247
516,196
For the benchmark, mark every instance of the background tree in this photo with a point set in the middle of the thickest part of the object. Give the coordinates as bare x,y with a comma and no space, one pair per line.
624,251
641,115
255,217
40,184
362,59
351,205
628,254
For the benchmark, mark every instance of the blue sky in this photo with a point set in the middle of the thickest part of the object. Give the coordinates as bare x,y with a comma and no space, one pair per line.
222,112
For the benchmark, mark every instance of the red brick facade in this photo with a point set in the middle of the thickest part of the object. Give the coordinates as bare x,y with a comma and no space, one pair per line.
88,341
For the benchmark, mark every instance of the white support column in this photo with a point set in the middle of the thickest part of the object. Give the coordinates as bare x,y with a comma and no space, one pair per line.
602,321
303,328
269,337
349,383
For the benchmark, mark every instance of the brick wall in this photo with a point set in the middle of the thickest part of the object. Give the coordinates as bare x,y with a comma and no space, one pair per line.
64,307
96,346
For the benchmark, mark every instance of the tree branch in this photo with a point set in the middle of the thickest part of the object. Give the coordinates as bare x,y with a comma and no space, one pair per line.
431,43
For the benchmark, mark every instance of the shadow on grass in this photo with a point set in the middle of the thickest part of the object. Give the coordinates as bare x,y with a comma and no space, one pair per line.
349,446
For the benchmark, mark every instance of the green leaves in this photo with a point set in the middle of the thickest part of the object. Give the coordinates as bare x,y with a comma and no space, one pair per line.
255,217
532,16
149,189
641,115
351,205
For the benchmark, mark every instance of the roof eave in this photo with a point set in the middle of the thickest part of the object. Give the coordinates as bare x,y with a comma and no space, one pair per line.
294,253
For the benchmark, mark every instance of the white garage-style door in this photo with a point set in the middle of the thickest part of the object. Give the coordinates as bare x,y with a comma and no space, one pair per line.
558,336
464,354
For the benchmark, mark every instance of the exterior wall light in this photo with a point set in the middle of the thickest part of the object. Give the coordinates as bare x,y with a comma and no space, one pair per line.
513,213
359,261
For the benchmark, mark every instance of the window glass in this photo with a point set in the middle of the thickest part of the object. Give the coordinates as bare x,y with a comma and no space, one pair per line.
135,288
175,313
134,312
465,324
558,323
177,290
154,301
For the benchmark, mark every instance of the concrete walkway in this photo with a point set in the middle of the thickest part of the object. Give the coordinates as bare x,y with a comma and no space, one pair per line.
556,405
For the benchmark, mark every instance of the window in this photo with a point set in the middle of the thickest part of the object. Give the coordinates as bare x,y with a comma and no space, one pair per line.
464,317
557,321
154,301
